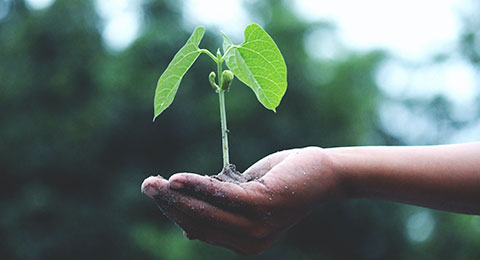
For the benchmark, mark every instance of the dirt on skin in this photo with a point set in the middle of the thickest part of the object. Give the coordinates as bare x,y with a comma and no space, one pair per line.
230,174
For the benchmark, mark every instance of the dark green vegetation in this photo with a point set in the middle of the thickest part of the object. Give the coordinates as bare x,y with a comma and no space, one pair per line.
76,140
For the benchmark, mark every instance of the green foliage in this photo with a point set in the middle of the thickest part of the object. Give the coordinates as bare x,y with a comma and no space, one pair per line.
76,141
160,242
258,63
170,79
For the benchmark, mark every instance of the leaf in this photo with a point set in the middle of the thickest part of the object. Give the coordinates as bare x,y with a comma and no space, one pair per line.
258,63
169,81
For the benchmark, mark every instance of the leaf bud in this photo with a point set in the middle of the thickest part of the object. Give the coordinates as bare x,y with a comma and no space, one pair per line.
227,78
211,78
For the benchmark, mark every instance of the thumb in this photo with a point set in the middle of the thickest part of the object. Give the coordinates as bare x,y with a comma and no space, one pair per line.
260,168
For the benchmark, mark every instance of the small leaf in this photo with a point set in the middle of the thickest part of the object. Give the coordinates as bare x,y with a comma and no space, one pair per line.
258,63
169,81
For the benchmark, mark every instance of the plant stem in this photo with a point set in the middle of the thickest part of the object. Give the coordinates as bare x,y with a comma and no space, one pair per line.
227,51
223,117
209,54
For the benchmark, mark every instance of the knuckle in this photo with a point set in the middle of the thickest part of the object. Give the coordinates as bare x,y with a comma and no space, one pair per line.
180,177
187,179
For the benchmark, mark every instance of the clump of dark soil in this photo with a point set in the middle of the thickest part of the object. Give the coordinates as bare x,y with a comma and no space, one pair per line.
230,174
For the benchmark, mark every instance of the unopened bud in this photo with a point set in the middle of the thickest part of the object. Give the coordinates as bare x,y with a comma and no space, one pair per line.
227,77
211,78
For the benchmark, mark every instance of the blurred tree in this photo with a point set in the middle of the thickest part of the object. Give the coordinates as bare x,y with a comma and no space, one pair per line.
77,139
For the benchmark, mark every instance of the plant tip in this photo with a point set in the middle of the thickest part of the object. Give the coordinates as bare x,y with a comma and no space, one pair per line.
211,78
227,77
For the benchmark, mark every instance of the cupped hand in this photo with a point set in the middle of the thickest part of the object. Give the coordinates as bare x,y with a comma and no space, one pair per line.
248,217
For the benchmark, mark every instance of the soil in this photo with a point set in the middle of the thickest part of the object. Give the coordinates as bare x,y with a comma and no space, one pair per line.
230,174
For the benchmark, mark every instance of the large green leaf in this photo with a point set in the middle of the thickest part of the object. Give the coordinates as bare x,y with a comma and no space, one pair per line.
258,63
169,81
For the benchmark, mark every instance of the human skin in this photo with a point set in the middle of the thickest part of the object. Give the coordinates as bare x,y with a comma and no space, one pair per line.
248,217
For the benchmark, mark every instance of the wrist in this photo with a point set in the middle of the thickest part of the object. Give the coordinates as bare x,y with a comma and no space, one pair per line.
340,163
332,179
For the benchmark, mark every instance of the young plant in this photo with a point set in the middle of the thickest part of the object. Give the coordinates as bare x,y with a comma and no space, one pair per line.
257,62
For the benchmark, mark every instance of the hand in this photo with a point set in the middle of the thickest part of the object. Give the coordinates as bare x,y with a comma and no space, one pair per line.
248,217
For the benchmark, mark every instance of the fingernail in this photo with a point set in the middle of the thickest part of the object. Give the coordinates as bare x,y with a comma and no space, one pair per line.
149,191
148,186
175,185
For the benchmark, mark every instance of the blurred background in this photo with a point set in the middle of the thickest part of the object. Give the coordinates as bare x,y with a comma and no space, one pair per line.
77,80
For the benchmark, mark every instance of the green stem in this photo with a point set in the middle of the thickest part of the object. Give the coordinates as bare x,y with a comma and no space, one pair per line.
223,118
227,51
209,54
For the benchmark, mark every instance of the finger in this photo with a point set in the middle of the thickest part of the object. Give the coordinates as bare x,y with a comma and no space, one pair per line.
260,168
151,184
245,239
182,210
227,195
167,198
195,229
207,213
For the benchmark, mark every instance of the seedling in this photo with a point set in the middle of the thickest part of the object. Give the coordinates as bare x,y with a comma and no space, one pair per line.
257,62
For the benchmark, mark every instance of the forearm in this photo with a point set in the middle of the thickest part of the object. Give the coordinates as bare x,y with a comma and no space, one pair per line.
442,177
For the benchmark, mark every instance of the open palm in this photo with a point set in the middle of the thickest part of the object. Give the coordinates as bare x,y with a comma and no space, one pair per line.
247,217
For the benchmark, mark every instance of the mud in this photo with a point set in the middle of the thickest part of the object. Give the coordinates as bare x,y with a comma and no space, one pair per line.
230,174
